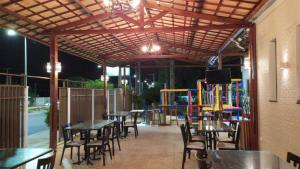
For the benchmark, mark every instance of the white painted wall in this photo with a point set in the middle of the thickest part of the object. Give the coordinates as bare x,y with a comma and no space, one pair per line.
279,122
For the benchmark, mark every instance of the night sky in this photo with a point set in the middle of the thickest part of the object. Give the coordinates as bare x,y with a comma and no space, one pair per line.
12,58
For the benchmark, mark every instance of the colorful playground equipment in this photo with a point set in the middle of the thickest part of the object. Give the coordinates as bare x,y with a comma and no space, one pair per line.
206,98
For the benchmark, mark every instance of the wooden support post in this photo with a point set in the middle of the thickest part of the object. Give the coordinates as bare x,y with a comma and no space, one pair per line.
220,89
138,76
120,78
253,86
172,81
53,91
124,87
105,85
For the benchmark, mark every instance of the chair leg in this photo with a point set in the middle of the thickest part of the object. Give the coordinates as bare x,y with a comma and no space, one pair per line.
189,151
94,152
62,155
71,152
126,131
135,132
103,153
118,140
183,158
78,155
88,155
109,149
113,145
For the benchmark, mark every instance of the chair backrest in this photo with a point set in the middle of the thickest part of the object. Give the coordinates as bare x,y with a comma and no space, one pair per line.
106,134
293,158
183,133
116,129
237,136
188,131
186,118
135,116
46,163
67,134
83,134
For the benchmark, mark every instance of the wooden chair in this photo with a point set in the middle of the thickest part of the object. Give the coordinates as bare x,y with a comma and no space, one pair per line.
196,138
188,146
70,143
46,163
231,144
132,125
115,136
293,158
100,145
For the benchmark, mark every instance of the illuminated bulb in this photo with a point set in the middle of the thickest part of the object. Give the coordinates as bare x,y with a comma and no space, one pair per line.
144,48
57,67
106,78
135,3
155,48
11,32
107,2
48,67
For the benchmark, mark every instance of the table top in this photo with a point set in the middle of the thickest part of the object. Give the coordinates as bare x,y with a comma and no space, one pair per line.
212,126
233,159
120,113
91,125
138,111
14,157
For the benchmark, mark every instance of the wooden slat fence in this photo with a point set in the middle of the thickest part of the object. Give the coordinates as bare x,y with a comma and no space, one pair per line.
81,104
11,116
99,102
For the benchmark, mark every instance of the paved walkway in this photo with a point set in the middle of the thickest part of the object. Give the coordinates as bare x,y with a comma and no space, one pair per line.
39,139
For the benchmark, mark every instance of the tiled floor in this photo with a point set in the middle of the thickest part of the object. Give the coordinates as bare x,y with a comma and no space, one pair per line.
155,148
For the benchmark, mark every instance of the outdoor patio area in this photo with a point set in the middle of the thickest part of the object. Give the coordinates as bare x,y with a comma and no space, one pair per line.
150,84
155,148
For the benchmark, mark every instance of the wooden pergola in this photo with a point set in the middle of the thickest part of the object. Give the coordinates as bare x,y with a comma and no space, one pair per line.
187,30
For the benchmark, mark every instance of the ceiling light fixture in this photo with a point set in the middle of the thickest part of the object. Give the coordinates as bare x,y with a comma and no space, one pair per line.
150,48
121,5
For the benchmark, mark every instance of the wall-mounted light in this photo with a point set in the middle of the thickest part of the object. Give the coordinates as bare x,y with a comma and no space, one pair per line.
124,81
106,78
284,65
57,67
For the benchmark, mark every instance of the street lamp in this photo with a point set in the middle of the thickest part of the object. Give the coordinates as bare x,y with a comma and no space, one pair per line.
11,32
57,67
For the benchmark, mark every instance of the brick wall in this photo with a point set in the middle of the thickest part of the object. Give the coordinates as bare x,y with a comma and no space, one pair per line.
279,122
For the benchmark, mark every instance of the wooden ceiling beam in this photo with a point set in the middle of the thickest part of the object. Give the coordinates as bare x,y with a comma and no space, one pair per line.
152,30
127,18
156,17
192,14
88,19
148,56
182,46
